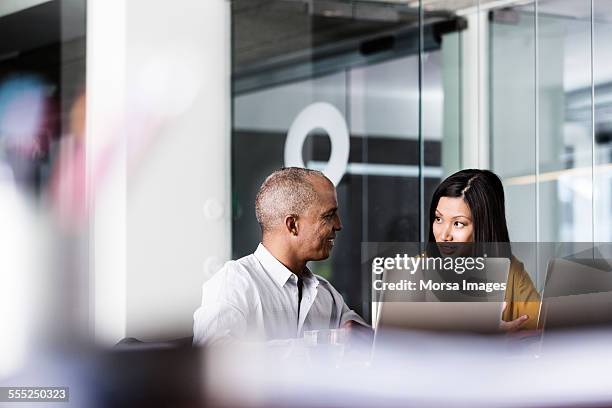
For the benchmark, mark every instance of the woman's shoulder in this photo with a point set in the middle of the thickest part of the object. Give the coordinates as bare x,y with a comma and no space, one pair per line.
517,268
516,264
518,273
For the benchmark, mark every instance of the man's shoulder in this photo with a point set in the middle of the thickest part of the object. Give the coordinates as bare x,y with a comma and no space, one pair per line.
237,271
326,284
230,287
247,263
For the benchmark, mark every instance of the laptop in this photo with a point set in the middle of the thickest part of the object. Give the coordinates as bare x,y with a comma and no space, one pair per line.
431,310
577,292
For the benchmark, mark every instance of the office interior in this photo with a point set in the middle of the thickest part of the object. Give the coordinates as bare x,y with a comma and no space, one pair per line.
134,136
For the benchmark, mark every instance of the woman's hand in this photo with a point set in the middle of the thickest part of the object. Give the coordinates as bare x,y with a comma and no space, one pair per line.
514,325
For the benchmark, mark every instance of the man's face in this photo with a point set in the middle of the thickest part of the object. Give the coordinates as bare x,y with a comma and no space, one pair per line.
320,222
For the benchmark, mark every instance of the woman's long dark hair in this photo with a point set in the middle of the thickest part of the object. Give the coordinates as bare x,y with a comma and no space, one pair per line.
483,192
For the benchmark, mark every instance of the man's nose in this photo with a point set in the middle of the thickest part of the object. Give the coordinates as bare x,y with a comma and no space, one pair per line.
337,223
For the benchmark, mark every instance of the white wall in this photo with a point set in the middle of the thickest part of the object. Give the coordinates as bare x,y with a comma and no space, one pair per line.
159,164
105,112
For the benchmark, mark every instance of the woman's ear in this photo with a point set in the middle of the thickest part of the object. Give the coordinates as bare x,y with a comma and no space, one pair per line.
291,223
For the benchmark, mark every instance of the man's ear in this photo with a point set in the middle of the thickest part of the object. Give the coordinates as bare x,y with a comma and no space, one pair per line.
291,223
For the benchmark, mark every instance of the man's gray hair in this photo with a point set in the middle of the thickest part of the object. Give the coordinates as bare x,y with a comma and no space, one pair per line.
288,191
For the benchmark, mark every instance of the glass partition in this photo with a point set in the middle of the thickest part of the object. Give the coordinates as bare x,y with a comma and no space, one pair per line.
513,115
424,88
602,119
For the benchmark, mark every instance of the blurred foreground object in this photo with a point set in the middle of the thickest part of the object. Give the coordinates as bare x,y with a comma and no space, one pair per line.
16,266
417,369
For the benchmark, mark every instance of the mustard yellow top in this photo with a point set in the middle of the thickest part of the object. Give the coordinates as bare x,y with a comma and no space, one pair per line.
521,296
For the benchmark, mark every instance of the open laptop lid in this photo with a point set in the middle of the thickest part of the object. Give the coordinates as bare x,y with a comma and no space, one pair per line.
435,300
577,292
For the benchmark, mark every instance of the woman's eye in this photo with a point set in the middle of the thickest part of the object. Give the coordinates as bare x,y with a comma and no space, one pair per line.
438,219
459,224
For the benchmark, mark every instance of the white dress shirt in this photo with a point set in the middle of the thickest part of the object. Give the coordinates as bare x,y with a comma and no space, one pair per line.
256,298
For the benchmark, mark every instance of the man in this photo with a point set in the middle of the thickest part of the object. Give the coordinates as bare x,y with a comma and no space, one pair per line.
271,294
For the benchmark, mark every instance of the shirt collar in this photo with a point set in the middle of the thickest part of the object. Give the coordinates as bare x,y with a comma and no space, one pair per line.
279,272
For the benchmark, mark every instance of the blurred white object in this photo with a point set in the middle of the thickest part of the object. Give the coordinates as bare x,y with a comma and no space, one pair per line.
16,289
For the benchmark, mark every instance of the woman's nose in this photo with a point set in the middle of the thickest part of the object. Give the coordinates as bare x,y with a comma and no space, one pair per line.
447,233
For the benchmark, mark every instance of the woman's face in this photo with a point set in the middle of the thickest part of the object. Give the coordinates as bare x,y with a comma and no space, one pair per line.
453,221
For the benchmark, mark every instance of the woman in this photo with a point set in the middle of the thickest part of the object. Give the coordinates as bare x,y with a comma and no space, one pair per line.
469,207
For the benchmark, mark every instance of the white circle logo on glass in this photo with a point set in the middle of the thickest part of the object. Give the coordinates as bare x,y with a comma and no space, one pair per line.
325,116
